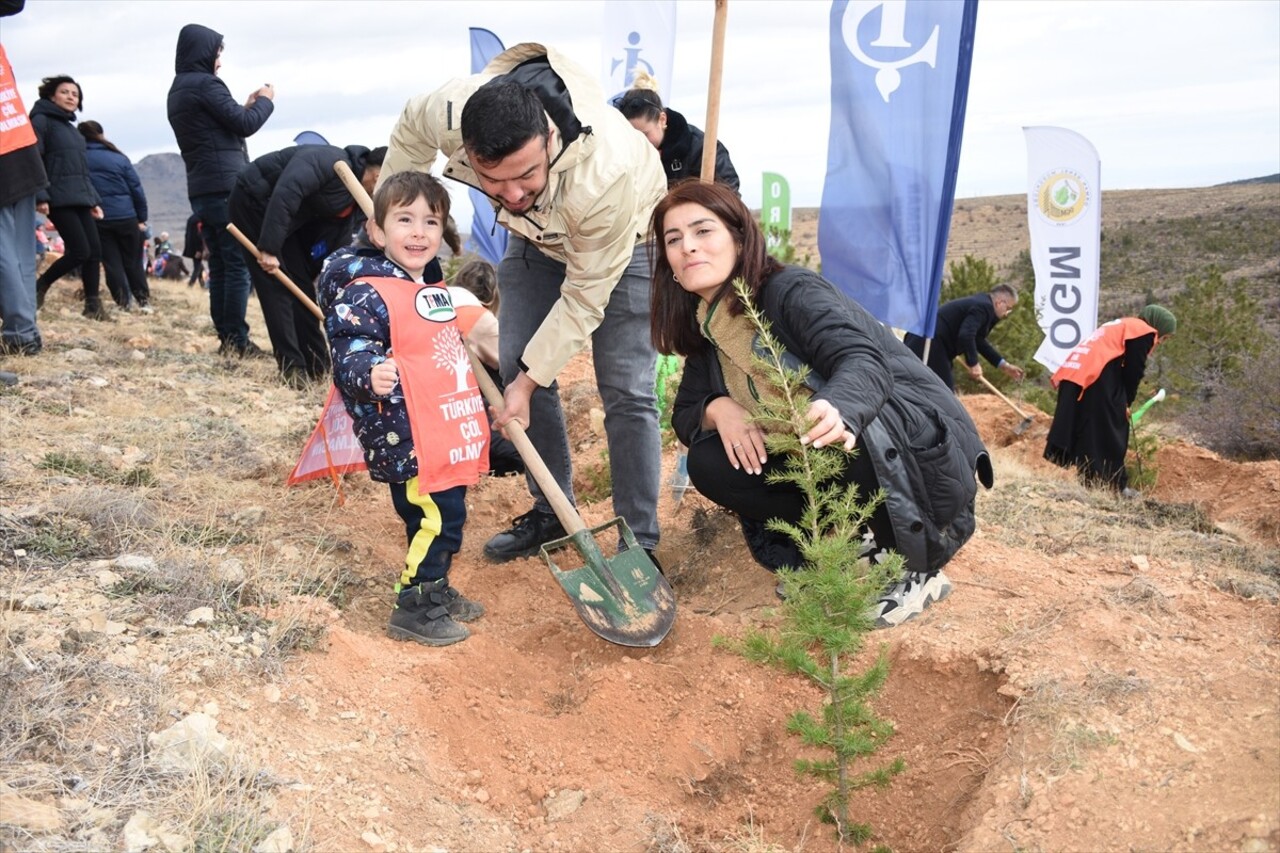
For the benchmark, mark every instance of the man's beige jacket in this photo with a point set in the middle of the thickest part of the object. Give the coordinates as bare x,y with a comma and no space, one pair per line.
595,209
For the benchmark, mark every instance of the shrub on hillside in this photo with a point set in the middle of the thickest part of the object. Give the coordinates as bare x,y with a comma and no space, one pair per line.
1219,330
1240,418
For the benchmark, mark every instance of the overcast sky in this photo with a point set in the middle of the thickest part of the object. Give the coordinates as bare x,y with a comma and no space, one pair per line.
1172,94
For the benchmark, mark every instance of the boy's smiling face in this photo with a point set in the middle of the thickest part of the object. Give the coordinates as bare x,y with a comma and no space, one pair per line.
410,236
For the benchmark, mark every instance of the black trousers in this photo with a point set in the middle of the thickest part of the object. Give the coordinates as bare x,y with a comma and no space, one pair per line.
297,338
938,362
81,250
122,259
751,496
433,525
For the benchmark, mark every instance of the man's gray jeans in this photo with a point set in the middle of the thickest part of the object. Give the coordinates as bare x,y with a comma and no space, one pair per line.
625,361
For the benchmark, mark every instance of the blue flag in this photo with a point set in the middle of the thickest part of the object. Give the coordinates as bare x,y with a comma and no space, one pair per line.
486,238
899,84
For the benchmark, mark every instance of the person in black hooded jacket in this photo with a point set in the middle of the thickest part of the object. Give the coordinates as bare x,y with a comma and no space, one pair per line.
70,201
211,127
678,142
296,210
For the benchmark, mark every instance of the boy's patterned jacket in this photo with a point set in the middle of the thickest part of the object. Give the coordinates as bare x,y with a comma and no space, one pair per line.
359,330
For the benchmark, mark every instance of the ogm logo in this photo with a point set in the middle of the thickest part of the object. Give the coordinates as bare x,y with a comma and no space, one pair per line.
433,303
1062,196
893,22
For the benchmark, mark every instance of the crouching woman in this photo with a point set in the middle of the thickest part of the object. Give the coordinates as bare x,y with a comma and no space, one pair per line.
869,393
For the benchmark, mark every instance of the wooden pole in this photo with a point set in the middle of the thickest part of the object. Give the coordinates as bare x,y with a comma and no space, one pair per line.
354,187
279,274
711,130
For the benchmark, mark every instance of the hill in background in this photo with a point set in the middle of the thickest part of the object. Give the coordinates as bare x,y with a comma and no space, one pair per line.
164,180
1152,239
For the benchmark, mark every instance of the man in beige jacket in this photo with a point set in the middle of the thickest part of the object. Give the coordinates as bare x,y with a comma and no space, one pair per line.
575,184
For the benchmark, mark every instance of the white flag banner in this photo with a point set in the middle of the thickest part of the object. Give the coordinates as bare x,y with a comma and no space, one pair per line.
638,35
1064,216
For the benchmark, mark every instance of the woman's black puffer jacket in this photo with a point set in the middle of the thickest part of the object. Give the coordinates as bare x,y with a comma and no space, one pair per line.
62,149
923,445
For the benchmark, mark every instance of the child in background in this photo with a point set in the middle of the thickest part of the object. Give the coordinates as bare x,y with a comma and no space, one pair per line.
417,414
475,297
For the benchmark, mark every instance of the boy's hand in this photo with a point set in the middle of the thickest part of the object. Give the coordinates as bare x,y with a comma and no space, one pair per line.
383,377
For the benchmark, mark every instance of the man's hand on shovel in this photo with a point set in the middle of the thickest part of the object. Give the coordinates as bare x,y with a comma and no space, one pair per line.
515,402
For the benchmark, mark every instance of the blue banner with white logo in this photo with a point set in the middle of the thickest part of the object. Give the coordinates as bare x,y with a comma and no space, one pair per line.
486,238
899,84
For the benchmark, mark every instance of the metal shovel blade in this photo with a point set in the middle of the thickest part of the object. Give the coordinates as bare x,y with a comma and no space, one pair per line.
623,598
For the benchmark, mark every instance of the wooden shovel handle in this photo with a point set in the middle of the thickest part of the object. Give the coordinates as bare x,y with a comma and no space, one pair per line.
711,128
353,185
279,274
569,518
1008,402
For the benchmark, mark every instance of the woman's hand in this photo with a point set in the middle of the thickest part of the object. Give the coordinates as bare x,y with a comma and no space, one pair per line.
828,427
95,212
383,377
743,440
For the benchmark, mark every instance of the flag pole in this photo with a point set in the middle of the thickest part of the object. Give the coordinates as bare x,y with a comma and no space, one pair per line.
711,129
710,132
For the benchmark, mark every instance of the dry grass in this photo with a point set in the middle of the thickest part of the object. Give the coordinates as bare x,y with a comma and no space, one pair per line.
1057,517
129,489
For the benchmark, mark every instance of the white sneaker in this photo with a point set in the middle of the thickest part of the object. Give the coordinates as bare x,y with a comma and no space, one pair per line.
906,599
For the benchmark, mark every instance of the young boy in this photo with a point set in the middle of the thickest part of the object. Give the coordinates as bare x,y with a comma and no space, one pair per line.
417,414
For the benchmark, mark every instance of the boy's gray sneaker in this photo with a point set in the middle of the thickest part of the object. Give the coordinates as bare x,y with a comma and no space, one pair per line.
907,598
422,615
461,608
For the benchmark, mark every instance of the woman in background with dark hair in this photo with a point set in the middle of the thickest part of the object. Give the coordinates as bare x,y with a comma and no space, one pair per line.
124,218
679,143
868,393
71,201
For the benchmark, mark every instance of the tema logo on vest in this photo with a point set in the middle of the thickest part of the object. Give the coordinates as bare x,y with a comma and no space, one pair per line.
1061,196
433,303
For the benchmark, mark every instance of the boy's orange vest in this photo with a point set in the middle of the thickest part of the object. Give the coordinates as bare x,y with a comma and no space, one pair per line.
446,412
1085,363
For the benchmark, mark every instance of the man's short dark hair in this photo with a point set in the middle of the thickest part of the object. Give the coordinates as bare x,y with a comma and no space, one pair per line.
500,118
376,156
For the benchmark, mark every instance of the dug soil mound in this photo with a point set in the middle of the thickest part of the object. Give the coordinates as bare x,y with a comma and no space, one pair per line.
1103,677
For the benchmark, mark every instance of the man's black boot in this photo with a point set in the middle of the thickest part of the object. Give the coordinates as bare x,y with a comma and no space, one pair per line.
525,537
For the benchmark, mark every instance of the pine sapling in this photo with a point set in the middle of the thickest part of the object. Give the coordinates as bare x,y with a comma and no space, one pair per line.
826,612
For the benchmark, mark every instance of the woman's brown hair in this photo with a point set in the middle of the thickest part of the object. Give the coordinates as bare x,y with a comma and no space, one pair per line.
673,317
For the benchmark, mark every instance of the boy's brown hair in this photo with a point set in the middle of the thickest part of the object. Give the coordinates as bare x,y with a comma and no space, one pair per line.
403,188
